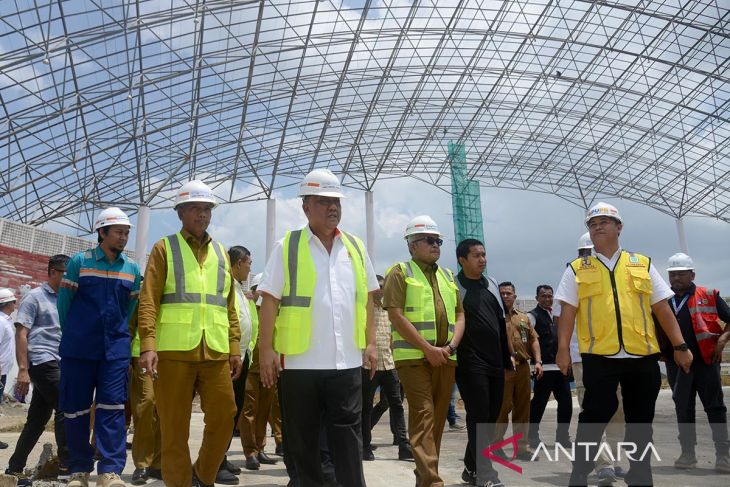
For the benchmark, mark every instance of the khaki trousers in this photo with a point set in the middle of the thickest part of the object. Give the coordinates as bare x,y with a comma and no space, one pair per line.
174,389
146,443
516,400
428,393
257,407
615,428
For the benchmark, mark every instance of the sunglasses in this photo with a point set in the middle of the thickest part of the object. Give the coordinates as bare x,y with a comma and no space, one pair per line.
431,241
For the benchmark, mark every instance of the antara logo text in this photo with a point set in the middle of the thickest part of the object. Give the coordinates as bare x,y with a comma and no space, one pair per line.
624,449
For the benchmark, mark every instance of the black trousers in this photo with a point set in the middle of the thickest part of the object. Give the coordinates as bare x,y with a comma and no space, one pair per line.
389,388
640,381
482,396
311,397
46,379
552,381
702,380
382,406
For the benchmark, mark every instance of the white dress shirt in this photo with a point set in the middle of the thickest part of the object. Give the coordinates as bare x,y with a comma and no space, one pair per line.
244,318
568,288
7,344
332,344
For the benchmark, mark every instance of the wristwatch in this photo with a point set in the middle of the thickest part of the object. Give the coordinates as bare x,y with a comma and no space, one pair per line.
681,347
538,362
452,350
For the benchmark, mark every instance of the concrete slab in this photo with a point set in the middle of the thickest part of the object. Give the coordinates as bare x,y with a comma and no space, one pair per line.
387,471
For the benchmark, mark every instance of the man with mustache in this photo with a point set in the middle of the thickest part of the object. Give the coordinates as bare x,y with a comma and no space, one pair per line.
425,310
98,294
190,335
317,312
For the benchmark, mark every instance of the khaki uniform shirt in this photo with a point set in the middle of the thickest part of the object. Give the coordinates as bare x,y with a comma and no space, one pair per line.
149,305
394,296
522,334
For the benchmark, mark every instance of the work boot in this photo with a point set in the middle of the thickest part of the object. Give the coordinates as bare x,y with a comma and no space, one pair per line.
78,479
252,463
109,479
722,463
468,476
368,455
265,459
230,467
687,460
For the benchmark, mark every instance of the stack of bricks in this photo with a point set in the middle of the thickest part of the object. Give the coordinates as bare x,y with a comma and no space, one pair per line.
18,267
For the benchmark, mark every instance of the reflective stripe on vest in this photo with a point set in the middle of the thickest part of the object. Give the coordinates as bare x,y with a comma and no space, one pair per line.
614,308
194,299
702,307
292,333
420,310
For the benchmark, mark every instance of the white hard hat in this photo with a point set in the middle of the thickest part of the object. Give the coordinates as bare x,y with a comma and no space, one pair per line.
680,262
111,216
256,280
603,209
585,242
321,182
195,191
6,295
421,224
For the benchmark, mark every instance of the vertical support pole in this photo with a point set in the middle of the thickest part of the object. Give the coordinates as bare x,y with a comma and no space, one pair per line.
682,236
140,242
370,225
270,225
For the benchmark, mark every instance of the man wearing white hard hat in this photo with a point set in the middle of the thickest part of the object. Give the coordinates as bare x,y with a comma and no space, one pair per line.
7,340
698,311
317,312
607,468
425,310
98,295
190,340
613,294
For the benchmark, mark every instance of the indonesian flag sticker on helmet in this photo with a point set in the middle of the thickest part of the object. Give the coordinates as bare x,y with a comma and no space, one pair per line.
421,224
195,191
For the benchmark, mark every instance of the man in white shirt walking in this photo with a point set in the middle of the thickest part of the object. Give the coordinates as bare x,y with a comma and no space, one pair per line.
317,312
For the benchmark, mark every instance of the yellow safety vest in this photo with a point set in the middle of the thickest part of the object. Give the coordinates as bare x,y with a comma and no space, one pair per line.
421,310
254,323
194,299
614,308
136,345
292,333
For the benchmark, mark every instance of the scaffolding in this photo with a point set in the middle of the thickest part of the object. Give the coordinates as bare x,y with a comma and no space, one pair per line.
465,199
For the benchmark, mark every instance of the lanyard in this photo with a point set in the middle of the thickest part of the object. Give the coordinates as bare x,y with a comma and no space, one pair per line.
681,303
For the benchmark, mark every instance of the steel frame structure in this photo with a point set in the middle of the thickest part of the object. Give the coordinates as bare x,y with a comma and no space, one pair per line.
118,102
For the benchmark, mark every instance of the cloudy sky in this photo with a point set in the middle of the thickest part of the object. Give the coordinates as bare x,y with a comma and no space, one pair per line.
529,236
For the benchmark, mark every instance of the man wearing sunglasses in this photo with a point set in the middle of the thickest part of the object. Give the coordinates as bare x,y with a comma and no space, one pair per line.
425,309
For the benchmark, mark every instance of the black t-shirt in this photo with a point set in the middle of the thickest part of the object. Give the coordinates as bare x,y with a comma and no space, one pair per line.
483,347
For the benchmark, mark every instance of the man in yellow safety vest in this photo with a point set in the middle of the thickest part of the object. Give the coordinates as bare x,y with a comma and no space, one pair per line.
425,310
317,312
190,335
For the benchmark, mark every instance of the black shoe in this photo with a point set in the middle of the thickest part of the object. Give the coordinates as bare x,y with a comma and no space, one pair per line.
469,477
395,441
140,476
252,463
266,460
155,473
236,433
3,445
526,456
22,479
368,455
405,453
230,467
198,483
225,477
498,452
129,445
279,451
